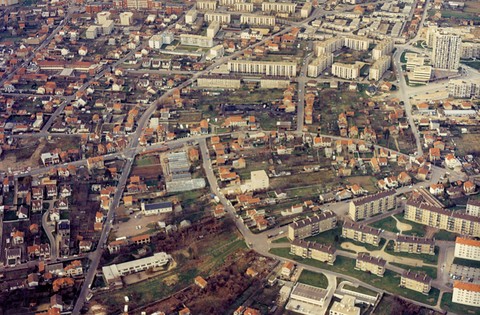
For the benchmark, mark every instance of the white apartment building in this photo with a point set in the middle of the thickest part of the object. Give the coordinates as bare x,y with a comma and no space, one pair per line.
255,19
346,71
356,42
103,17
126,18
431,31
328,46
191,16
243,6
446,51
113,273
470,50
473,206
383,48
107,27
466,293
158,40
212,29
459,88
379,67
229,2
206,5
467,248
92,32
196,40
271,68
306,10
222,18
420,75
282,7
319,64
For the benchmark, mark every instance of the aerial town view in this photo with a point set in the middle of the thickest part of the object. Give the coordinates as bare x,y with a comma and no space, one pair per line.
245,157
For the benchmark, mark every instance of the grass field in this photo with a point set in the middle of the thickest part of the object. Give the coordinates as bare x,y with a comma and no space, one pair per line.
368,247
389,282
360,289
315,279
467,144
430,271
331,237
366,182
387,224
429,259
281,240
449,306
417,228
443,235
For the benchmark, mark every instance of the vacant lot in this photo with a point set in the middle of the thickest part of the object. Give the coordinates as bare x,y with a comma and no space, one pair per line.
468,144
366,182
312,278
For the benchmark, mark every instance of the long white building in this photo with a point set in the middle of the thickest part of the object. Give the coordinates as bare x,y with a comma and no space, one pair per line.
328,46
319,64
383,48
196,40
459,88
446,51
256,19
346,71
222,18
467,248
356,42
271,68
206,5
379,67
282,7
466,293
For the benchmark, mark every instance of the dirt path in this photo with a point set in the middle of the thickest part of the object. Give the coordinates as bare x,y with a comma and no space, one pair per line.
402,227
351,246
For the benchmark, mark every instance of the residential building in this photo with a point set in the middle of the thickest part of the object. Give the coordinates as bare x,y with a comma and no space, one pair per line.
270,68
473,207
361,233
368,206
213,28
470,50
383,48
287,269
346,71
243,7
312,250
113,273
328,46
191,16
446,51
92,32
306,10
379,67
467,248
156,208
202,283
222,82
196,40
466,293
440,218
222,18
126,18
311,226
259,180
367,263
419,282
206,5
345,307
255,19
459,88
282,7
356,42
319,64
414,245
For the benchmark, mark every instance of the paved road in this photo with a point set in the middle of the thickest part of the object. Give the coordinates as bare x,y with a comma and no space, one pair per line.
301,92
48,230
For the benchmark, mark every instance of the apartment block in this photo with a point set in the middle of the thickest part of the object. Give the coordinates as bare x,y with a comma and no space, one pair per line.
196,40
440,218
356,42
383,48
361,233
306,10
222,18
328,46
446,51
467,248
419,282
213,29
191,16
311,226
459,88
319,64
92,32
414,245
466,293
379,67
255,19
243,7
229,2
270,68
368,206
420,75
346,71
470,50
367,263
282,7
320,252
473,207
221,82
206,5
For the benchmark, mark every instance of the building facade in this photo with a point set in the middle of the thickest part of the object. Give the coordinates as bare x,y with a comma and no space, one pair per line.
270,68
414,245
206,5
219,82
314,225
361,233
416,281
367,263
383,48
379,67
320,252
255,19
368,206
222,18
196,40
319,64
466,293
470,50
282,7
346,71
446,51
473,207
467,248
328,46
356,42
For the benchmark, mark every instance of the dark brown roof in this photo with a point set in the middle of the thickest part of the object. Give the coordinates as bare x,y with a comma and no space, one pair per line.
377,196
415,239
313,245
417,276
373,260
361,228
314,219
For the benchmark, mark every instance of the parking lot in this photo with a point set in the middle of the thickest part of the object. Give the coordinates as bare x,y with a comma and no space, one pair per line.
458,272
137,224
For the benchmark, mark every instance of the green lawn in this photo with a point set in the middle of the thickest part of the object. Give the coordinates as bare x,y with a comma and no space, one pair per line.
430,271
429,259
473,64
466,262
360,289
417,228
344,265
449,306
315,279
368,247
387,224
330,237
443,235
281,240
